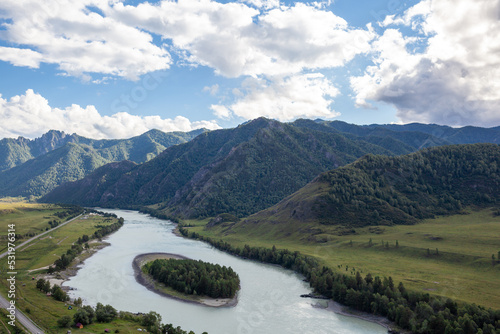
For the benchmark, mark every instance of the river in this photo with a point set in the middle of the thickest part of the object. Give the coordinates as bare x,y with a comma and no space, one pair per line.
269,300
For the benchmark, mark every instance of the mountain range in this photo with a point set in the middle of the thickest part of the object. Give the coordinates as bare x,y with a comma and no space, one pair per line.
34,167
247,169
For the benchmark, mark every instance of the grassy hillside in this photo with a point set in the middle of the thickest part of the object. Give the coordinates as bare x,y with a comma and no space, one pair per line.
448,256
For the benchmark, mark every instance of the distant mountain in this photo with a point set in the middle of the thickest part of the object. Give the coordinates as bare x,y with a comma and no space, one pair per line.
464,135
399,142
241,170
378,190
14,152
34,167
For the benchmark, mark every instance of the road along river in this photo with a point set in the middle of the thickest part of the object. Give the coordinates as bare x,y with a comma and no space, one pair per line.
269,300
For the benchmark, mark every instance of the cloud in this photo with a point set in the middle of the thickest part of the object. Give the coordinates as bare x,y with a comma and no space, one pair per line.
30,115
220,111
235,39
20,57
212,90
75,36
447,74
238,40
285,99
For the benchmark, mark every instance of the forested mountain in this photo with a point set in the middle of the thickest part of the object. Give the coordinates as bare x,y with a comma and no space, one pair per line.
378,190
34,167
14,152
239,171
464,135
414,135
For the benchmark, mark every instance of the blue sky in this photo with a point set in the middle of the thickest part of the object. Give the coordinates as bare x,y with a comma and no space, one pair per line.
114,69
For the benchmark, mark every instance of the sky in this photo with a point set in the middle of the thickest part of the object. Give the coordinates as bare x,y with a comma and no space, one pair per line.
115,69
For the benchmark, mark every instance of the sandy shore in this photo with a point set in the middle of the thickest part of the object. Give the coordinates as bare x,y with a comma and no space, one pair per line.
58,278
151,285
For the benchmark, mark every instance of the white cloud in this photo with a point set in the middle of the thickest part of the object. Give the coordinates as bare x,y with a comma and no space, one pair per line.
77,39
257,38
30,115
212,90
265,4
284,99
451,79
235,39
220,111
20,57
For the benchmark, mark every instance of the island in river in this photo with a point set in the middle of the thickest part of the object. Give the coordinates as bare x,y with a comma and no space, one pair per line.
159,288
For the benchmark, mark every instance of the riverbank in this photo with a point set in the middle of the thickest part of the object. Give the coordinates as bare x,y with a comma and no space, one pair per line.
331,305
348,312
59,278
160,289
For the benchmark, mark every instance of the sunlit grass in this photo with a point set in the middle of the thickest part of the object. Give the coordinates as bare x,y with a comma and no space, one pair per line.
461,269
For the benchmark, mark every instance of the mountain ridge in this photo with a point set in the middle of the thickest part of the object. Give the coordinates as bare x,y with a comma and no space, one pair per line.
242,170
54,158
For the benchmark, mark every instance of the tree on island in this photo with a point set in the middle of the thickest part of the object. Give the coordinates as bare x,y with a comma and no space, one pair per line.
195,277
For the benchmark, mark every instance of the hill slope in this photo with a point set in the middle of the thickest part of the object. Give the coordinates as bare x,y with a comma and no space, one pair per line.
378,190
61,158
239,171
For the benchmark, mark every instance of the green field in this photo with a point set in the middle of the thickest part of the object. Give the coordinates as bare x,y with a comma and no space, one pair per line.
32,259
28,217
462,269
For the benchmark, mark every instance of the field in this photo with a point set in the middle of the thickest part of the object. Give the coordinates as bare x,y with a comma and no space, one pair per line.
33,259
448,256
28,217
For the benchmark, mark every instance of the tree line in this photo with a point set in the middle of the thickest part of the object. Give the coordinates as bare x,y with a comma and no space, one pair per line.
65,259
195,277
415,311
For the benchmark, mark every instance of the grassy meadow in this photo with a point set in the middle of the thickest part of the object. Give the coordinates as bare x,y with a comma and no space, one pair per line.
448,256
28,217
